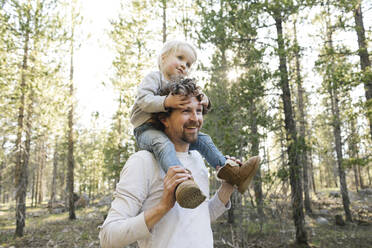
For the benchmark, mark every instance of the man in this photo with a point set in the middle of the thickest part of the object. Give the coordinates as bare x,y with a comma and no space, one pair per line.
144,208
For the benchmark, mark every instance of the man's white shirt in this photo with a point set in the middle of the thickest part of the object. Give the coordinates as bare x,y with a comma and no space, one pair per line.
140,188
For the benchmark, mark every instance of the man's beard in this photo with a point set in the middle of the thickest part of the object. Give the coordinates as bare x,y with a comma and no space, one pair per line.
190,137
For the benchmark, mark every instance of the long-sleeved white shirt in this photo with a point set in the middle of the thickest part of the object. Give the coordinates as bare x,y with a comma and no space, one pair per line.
140,188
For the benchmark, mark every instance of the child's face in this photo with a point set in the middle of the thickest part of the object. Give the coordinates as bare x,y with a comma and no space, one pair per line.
178,63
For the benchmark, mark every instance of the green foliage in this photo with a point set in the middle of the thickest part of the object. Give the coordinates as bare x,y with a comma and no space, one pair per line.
236,103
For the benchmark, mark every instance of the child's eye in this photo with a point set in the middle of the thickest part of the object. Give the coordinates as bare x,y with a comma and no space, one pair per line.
188,65
180,57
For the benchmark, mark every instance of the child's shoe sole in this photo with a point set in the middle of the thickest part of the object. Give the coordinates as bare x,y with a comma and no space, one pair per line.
249,168
189,195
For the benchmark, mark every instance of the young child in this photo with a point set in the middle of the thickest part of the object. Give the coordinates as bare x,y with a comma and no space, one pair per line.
175,61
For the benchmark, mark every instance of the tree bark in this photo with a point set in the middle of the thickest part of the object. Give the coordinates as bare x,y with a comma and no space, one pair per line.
353,151
341,171
70,156
40,195
20,170
54,180
291,135
360,177
332,89
365,63
33,187
302,138
164,7
2,166
257,183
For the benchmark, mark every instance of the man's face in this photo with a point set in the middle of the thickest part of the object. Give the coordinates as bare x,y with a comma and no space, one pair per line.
183,125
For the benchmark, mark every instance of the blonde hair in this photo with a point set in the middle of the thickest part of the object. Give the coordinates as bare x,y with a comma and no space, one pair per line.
173,46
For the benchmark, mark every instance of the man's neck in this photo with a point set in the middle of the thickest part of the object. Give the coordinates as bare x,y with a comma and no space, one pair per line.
182,147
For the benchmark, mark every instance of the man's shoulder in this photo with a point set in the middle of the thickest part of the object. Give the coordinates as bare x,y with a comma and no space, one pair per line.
143,156
142,161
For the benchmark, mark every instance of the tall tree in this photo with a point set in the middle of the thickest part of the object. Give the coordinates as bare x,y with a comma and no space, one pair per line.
280,11
301,120
54,174
336,78
70,156
164,7
365,62
32,30
20,177
235,118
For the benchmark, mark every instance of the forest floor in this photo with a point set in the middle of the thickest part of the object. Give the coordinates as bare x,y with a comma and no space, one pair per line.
55,230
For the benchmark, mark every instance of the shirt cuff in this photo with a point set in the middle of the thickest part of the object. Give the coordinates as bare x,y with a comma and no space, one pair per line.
216,207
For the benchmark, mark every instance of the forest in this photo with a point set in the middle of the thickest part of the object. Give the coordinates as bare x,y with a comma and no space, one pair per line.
289,80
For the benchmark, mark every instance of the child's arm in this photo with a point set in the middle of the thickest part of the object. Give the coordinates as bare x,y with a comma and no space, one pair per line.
176,101
147,98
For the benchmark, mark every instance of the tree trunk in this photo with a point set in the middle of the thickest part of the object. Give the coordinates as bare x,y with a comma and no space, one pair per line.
291,135
20,170
353,151
164,7
337,135
41,173
311,168
302,137
54,180
2,167
37,188
365,63
231,211
356,178
70,156
341,171
257,184
33,187
360,177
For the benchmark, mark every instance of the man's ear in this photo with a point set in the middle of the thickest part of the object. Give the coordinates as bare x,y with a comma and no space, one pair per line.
164,121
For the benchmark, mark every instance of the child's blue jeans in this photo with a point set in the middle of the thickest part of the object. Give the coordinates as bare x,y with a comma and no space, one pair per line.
153,140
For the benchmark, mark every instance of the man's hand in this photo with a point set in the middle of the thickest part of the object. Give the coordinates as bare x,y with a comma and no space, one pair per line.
176,101
174,176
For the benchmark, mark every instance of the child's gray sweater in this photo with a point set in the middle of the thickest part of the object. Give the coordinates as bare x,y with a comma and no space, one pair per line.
147,100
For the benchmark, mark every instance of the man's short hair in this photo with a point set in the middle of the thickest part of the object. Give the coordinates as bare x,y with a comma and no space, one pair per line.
184,87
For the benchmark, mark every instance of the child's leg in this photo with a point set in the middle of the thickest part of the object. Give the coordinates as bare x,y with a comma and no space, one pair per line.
155,141
208,150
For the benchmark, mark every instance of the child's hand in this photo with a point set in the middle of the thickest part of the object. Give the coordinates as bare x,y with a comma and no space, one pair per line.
176,101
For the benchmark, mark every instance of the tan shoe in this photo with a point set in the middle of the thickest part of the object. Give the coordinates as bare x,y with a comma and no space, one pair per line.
189,195
239,175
